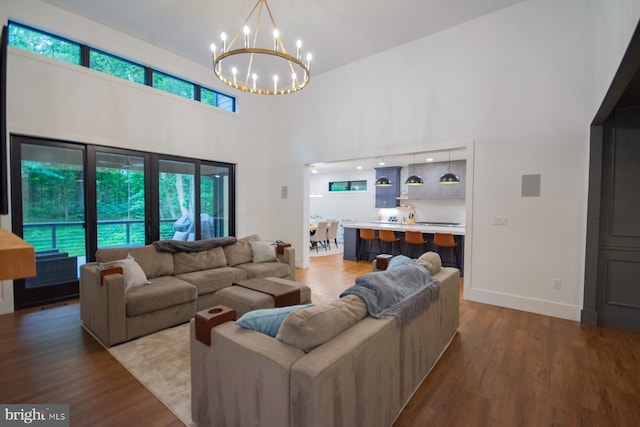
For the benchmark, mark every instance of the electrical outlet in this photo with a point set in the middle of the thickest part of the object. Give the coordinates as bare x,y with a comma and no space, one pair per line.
499,220
557,284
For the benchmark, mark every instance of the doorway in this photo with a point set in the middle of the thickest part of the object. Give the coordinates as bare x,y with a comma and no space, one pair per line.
612,254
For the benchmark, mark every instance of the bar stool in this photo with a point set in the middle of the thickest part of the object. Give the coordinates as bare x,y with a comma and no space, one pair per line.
445,240
388,237
368,237
413,239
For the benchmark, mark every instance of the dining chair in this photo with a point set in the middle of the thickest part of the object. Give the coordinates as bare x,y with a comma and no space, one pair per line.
332,233
320,236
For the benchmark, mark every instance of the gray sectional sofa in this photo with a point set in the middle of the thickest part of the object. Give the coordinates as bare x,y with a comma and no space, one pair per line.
174,286
362,374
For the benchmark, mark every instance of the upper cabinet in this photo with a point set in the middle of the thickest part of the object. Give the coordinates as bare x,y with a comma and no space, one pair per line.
386,197
430,173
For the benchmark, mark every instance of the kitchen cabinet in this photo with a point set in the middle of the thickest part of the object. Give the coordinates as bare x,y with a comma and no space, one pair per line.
386,197
431,172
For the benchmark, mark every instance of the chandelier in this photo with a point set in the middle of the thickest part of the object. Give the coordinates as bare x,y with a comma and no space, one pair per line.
270,70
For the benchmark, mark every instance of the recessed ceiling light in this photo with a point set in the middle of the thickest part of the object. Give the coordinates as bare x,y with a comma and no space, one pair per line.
430,159
358,167
314,170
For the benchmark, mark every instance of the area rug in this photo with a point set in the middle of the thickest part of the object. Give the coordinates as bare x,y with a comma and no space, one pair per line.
324,252
161,363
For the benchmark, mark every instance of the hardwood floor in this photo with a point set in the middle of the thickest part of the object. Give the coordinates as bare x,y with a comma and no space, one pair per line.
503,368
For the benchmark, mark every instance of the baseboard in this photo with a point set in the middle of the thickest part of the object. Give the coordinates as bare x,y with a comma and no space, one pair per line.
532,305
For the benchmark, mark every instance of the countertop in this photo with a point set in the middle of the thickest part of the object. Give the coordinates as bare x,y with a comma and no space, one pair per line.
397,226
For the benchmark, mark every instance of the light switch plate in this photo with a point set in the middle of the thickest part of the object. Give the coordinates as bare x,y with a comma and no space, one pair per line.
499,220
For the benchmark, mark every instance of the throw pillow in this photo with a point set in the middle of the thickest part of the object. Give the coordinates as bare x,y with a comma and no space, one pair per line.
263,251
399,261
268,320
240,252
308,328
431,261
132,272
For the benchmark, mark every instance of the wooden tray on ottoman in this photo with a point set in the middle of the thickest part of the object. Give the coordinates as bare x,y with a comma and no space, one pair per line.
253,294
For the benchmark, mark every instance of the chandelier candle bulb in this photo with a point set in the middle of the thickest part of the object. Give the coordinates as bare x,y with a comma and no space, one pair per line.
293,80
246,36
213,52
276,34
234,71
275,83
223,36
254,77
309,56
298,45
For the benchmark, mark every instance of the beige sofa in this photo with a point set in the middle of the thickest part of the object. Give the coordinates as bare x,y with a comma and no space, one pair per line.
361,377
179,285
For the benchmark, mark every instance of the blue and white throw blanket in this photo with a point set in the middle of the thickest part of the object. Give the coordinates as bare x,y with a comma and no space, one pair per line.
402,292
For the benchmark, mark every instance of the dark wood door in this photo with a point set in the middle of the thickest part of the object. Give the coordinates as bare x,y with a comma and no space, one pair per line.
618,288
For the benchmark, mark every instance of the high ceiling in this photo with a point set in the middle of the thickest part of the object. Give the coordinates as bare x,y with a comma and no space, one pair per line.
337,32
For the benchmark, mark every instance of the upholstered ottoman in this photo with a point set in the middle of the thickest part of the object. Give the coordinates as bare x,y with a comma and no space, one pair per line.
243,299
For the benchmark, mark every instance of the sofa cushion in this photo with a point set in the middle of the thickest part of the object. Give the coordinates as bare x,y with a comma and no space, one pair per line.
240,252
265,269
263,251
431,261
186,262
267,320
153,263
207,281
308,328
162,292
131,272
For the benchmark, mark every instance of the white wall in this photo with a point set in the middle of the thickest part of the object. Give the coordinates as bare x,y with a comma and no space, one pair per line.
524,84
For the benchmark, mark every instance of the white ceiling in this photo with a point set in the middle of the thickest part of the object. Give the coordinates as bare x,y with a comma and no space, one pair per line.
337,32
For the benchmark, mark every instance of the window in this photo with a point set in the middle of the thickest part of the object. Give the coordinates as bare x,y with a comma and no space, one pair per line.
217,99
115,66
337,186
173,85
43,44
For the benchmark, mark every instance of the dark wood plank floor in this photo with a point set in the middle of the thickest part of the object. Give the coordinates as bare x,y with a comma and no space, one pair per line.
504,368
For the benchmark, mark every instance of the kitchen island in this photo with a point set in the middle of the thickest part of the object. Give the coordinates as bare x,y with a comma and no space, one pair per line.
352,241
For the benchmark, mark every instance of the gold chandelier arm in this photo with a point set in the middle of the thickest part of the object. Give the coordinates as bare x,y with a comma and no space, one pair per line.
246,20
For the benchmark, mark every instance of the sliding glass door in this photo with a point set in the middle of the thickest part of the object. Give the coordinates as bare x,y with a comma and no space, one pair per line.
120,199
50,204
177,199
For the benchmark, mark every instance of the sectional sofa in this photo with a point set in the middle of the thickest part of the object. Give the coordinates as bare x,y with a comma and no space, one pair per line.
158,289
332,365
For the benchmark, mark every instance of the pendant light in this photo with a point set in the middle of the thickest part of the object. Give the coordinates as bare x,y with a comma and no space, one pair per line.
383,181
414,179
449,178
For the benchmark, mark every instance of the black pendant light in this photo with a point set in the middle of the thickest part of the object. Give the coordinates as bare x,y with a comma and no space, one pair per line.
383,181
449,178
414,179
